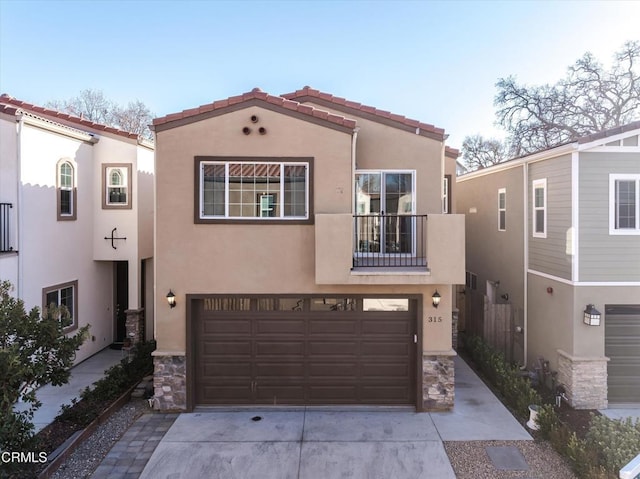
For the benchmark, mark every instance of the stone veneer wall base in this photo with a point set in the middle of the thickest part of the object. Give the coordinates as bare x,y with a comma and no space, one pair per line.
134,325
585,380
438,382
170,382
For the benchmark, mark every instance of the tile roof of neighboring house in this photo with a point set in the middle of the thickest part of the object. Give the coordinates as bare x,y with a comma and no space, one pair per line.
610,132
8,101
451,152
258,95
309,94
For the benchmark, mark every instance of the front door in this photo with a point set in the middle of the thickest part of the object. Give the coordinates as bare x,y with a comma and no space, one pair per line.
121,299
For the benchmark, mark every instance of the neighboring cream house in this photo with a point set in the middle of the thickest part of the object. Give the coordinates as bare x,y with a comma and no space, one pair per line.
556,235
76,220
304,242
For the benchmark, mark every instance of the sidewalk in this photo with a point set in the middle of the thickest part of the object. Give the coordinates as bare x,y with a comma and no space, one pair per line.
82,375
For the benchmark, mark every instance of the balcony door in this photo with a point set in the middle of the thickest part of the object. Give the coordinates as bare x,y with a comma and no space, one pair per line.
385,209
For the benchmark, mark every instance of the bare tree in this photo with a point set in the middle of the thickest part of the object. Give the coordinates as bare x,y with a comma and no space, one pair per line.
135,118
92,105
587,100
479,152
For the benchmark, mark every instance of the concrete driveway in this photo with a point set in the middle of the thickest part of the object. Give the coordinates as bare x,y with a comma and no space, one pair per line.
301,444
318,443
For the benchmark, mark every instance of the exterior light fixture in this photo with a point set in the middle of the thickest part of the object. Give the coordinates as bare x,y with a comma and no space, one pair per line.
591,315
436,299
171,299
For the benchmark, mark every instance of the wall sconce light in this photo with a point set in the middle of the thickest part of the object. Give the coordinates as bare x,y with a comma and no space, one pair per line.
171,299
436,299
505,296
591,315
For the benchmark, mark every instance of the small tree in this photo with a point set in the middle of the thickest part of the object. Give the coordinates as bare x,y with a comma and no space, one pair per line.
34,351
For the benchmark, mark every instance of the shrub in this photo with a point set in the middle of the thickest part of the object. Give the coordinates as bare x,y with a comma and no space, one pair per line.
615,442
34,350
117,380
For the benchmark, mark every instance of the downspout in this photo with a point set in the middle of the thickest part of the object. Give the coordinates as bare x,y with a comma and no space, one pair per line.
354,165
19,127
525,229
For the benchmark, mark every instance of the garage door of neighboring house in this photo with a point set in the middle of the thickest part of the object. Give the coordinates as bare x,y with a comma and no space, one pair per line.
622,340
304,350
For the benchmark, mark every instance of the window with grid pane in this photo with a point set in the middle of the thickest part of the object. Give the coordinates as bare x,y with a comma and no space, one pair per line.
624,207
63,295
502,209
539,218
254,190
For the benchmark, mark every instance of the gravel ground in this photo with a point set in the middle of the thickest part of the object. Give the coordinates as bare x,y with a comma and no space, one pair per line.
471,461
90,453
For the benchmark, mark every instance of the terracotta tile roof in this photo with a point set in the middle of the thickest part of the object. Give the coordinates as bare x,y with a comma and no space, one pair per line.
309,94
7,109
451,152
8,101
257,94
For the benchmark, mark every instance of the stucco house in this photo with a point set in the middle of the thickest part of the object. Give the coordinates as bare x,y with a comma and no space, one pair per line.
76,220
555,236
304,244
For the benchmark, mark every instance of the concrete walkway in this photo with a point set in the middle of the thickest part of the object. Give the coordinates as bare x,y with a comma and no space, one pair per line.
82,375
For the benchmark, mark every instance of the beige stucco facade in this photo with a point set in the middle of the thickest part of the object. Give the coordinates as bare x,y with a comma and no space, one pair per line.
312,257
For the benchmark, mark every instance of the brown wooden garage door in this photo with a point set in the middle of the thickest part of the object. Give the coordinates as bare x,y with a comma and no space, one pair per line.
302,354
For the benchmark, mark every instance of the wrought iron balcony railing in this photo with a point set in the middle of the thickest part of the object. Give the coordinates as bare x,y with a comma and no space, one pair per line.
390,241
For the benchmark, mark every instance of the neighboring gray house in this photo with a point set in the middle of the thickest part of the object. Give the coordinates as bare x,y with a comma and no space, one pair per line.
556,237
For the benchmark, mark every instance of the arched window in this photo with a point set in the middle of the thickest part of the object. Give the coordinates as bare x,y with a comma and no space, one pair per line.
117,186
66,191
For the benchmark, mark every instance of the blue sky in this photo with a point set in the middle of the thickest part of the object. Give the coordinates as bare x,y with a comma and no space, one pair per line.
433,61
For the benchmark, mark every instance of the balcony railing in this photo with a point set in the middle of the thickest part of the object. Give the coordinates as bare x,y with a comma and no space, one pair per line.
4,227
390,241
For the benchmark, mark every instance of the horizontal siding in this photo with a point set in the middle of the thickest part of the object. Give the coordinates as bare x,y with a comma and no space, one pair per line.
549,255
604,257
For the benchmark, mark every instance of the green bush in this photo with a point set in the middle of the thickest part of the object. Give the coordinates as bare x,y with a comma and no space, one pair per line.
117,380
609,445
616,442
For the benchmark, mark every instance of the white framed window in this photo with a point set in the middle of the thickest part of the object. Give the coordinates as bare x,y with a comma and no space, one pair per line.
445,195
624,204
116,180
66,201
502,209
65,294
539,217
253,190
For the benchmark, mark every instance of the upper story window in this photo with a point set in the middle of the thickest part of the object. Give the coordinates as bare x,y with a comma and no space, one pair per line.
502,209
253,189
66,201
446,199
539,217
624,204
116,192
66,295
